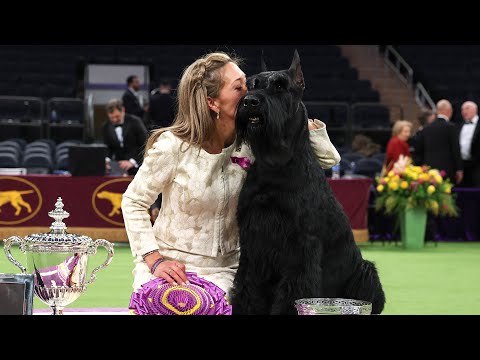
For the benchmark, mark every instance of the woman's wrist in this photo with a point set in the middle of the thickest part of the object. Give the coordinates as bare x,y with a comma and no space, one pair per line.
151,257
156,264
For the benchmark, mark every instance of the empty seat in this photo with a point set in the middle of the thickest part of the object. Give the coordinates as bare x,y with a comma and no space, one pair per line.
38,161
352,157
8,161
368,167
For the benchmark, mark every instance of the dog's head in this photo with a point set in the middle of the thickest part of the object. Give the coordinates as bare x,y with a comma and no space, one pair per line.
271,117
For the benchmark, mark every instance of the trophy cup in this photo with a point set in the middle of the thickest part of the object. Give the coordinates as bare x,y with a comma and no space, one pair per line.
58,260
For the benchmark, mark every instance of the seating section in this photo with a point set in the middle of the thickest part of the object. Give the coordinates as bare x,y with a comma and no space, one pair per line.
446,71
38,157
45,73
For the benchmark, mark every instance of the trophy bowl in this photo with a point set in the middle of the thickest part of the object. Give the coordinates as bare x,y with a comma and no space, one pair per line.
332,306
58,260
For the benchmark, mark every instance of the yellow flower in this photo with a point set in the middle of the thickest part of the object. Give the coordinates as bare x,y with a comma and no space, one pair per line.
380,188
404,185
393,185
424,177
448,190
417,169
438,178
390,173
431,189
434,207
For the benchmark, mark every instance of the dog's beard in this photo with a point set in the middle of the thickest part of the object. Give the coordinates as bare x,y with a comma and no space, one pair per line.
270,136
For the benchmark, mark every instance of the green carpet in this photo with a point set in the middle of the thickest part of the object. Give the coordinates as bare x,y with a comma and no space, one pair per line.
434,280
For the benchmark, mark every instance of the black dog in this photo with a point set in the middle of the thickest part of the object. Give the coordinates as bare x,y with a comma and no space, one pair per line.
295,239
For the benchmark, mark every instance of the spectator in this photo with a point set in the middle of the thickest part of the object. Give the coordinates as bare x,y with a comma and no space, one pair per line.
470,145
125,135
162,105
364,145
397,144
438,144
131,98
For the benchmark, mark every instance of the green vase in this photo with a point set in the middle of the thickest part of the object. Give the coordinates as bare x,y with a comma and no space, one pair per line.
413,223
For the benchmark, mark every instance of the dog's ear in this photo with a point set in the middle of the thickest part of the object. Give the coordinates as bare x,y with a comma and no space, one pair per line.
262,63
296,70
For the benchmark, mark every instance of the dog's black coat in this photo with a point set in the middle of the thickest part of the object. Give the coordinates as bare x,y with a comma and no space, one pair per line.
295,239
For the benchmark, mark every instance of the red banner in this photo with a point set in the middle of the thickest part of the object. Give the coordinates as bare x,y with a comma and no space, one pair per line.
94,202
91,201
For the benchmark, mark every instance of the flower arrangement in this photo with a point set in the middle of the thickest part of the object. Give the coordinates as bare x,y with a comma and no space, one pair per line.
408,186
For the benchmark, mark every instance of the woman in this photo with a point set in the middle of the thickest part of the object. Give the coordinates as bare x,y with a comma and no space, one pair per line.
398,144
192,163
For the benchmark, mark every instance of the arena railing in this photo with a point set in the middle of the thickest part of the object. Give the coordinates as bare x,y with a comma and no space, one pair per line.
405,73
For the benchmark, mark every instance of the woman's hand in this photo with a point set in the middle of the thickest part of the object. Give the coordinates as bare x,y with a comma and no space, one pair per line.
173,271
312,125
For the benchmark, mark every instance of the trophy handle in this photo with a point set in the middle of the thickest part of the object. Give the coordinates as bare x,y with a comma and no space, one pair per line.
107,245
7,245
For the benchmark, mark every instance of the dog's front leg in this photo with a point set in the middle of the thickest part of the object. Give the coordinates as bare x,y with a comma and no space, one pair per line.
250,290
296,284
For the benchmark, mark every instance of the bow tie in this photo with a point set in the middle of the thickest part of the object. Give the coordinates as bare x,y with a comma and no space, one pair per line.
118,125
468,122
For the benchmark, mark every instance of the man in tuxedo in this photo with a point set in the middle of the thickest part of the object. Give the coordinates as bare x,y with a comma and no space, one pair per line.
469,139
438,145
125,136
130,98
162,105
470,145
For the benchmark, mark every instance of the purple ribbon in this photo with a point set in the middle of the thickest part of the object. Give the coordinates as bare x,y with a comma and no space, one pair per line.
201,297
244,162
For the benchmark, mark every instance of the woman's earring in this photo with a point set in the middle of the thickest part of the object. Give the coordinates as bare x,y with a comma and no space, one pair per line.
218,115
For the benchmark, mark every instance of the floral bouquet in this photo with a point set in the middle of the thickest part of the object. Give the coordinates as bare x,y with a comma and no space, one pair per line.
408,186
200,297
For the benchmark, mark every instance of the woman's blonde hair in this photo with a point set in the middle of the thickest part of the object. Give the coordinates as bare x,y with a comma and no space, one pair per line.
194,120
399,125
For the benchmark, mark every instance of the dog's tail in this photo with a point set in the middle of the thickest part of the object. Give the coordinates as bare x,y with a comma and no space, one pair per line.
364,284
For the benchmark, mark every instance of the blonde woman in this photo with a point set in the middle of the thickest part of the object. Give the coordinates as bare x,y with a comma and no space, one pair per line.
398,144
191,164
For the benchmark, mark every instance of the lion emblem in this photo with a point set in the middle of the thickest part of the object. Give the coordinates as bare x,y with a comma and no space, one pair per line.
114,198
15,198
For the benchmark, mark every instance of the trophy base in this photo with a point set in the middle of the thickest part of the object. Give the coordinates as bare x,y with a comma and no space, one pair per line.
59,296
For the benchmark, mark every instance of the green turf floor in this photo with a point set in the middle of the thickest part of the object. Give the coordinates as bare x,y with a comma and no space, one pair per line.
434,280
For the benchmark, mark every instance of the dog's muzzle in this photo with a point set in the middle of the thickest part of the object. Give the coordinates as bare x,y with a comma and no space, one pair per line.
250,103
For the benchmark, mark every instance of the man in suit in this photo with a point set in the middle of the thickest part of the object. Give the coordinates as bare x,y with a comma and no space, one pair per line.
469,139
131,99
125,136
438,145
426,117
470,145
162,105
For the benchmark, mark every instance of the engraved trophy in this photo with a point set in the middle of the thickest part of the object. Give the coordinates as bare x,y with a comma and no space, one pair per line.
58,260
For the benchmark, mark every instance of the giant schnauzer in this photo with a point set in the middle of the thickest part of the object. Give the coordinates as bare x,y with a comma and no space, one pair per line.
295,239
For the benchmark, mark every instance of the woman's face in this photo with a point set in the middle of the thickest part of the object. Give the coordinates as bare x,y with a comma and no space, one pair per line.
405,133
234,88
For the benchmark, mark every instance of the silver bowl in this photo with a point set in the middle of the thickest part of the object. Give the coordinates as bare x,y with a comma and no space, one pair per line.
332,306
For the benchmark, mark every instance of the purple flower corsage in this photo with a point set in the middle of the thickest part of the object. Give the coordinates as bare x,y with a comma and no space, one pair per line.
244,162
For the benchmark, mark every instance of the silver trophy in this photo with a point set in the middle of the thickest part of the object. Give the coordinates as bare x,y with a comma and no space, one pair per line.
58,260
